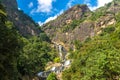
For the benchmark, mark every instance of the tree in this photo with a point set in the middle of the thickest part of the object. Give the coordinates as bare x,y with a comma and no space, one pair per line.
10,45
98,58
36,53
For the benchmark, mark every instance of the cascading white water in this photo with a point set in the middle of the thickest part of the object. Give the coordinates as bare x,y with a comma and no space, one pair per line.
57,69
60,51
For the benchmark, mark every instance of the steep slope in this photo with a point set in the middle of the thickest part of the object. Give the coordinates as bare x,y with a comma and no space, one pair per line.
79,23
61,29
98,58
25,25
18,54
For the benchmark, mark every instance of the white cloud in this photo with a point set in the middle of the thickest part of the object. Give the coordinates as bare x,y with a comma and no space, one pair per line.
44,5
19,8
93,7
99,3
69,4
40,23
50,18
30,5
86,1
103,2
32,11
54,17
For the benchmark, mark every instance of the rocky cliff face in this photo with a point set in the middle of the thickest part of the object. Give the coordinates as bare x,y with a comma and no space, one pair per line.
10,3
61,29
79,23
75,13
23,23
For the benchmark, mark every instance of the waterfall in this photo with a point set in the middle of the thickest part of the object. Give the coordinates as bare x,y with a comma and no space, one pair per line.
60,51
65,63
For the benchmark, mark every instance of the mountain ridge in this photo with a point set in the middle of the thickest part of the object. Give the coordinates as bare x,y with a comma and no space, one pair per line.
79,23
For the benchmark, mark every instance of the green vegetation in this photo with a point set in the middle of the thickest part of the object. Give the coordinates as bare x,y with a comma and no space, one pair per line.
97,14
20,56
57,60
36,53
72,25
107,30
52,76
77,44
97,59
44,37
10,46
100,12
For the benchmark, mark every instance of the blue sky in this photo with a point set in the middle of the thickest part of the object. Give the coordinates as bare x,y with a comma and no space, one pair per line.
43,11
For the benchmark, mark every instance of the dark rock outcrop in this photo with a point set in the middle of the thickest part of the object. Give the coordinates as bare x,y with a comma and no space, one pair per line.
23,23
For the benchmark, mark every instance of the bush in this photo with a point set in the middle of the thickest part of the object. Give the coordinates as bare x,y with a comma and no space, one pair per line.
52,76
109,29
57,60
98,59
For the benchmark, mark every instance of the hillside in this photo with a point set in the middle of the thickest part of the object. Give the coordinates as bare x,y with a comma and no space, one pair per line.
61,30
18,54
97,58
22,22
79,23
91,38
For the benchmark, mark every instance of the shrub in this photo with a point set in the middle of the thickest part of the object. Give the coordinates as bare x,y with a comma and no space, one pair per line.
52,76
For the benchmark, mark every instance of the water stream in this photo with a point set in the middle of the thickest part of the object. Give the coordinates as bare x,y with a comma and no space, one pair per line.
57,69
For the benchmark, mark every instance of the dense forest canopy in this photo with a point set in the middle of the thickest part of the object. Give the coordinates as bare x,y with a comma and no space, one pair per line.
21,56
